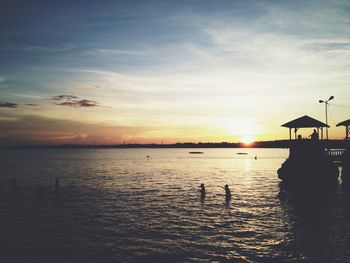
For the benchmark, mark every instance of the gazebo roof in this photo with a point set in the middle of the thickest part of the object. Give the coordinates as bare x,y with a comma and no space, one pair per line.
344,123
305,122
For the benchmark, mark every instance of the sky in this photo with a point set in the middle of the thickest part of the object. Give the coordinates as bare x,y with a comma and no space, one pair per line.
174,71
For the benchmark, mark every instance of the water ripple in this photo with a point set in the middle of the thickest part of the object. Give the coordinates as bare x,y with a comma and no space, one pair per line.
117,206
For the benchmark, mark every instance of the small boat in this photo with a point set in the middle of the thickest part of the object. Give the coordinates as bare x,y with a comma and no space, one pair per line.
242,153
196,152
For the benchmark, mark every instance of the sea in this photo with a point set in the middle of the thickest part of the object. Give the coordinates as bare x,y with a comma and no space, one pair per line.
118,205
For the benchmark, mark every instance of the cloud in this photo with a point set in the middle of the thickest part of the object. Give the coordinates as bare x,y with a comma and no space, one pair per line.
64,97
74,101
16,105
119,52
96,86
48,49
79,103
27,96
34,129
8,105
3,79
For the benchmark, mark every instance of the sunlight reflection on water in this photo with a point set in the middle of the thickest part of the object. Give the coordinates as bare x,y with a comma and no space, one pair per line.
118,205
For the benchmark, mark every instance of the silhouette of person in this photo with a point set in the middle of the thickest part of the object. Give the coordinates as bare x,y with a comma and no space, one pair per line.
202,190
314,135
227,192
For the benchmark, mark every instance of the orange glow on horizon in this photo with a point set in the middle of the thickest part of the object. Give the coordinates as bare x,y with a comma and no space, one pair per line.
248,140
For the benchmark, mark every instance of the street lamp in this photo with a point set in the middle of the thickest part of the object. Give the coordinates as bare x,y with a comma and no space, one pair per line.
326,105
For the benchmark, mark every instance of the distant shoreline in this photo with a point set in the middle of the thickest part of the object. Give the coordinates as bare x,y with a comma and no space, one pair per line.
259,144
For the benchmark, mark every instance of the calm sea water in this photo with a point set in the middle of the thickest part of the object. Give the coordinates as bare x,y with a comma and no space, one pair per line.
115,205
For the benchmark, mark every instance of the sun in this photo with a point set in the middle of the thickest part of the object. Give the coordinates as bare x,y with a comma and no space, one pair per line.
247,140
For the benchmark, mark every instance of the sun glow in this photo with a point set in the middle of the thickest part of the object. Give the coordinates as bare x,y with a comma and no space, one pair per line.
247,140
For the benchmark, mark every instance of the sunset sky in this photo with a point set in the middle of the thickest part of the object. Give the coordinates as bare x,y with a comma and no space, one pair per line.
179,71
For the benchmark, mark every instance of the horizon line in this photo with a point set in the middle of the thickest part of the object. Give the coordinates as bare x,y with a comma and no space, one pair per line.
282,143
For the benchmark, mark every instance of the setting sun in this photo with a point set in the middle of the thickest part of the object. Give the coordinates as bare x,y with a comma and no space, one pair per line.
248,139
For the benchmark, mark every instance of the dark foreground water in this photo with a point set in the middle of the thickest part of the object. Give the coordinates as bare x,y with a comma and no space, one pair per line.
115,205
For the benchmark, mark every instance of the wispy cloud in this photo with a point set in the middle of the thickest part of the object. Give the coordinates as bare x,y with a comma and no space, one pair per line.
74,101
8,105
64,97
3,79
21,95
119,52
79,103
48,49
32,129
16,105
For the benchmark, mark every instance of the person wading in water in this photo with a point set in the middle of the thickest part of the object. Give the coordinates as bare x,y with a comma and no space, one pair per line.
227,192
202,190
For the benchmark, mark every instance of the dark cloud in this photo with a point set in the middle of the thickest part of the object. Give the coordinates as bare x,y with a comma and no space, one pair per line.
15,105
64,97
8,105
74,101
79,103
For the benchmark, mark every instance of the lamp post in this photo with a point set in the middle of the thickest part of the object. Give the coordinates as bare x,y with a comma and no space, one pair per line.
326,105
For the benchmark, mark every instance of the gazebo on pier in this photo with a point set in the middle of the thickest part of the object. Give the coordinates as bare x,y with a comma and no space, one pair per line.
308,164
305,122
347,128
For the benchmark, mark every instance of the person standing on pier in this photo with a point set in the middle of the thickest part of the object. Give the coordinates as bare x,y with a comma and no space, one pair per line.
314,135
